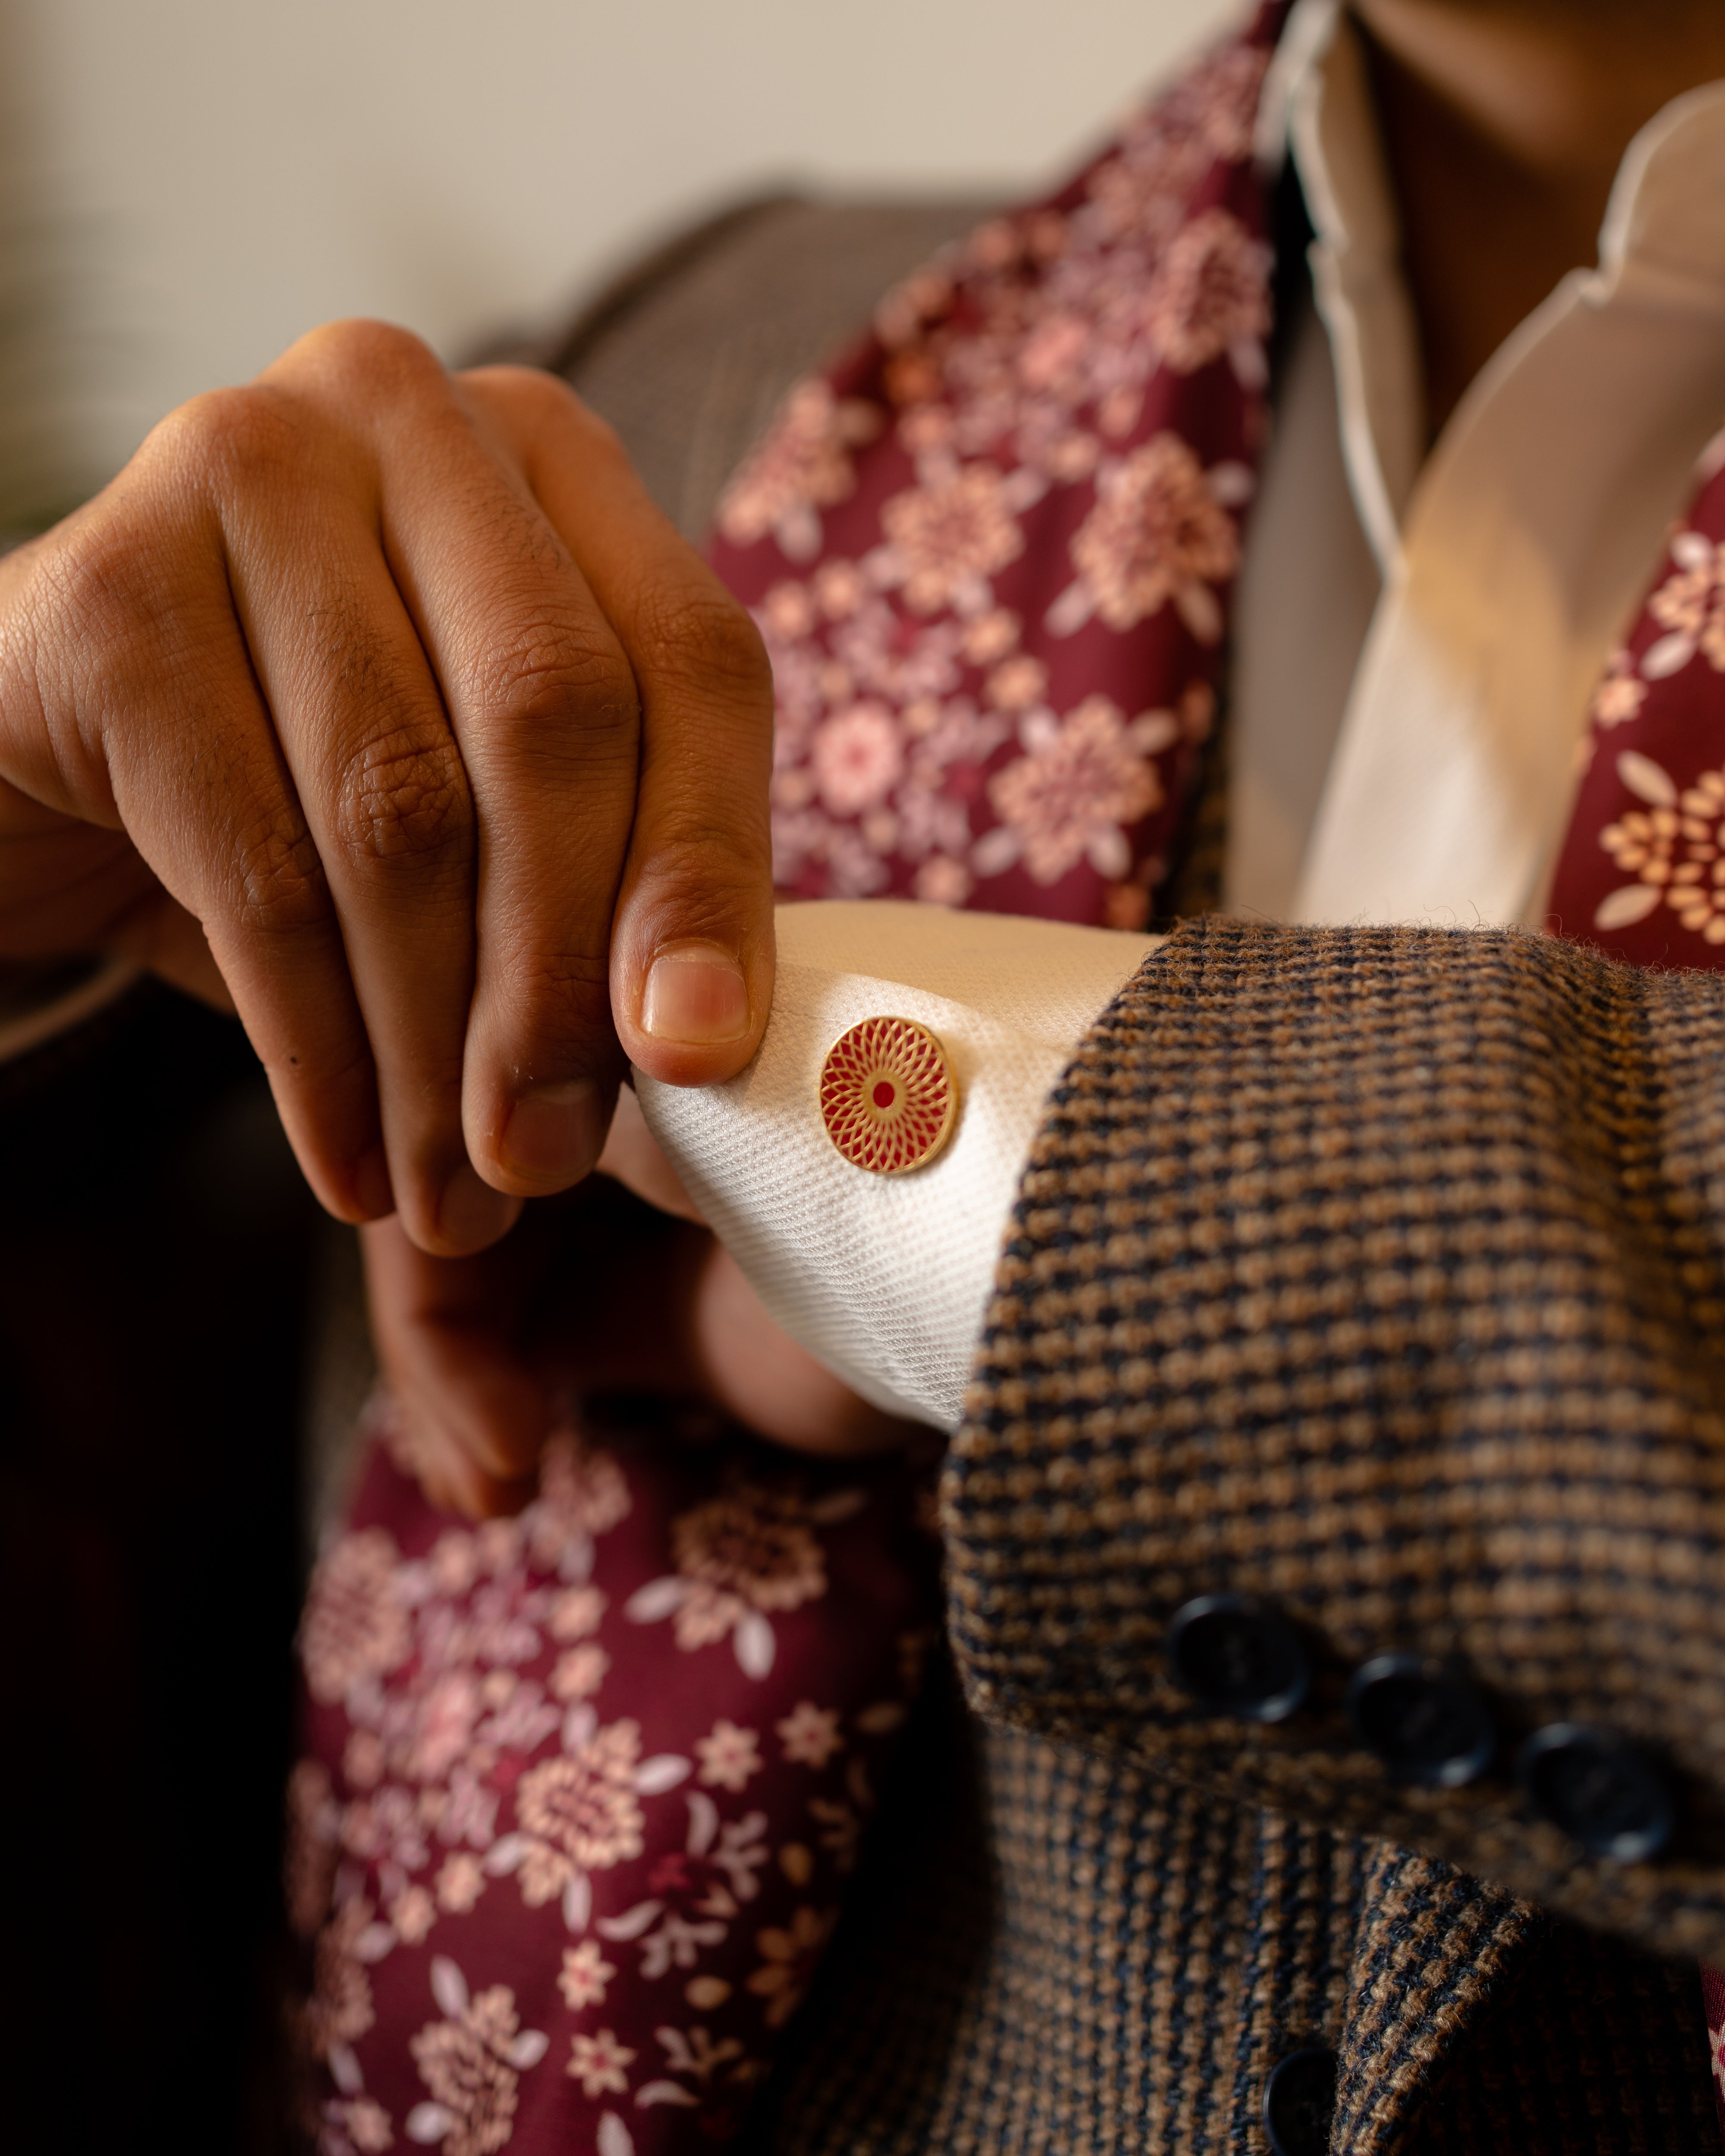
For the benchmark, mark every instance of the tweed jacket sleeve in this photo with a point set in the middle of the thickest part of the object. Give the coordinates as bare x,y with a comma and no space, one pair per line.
1378,1274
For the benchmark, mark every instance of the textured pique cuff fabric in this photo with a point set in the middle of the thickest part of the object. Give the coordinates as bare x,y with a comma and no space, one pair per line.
885,1278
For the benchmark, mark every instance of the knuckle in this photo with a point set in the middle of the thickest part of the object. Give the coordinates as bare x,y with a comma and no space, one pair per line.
228,437
370,359
543,399
716,867
280,889
404,797
538,678
557,998
699,635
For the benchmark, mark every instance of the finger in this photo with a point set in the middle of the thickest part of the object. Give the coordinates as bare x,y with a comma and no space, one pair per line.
691,944
443,1338
542,704
382,781
134,645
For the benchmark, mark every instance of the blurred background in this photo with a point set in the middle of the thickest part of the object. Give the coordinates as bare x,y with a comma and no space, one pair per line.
186,186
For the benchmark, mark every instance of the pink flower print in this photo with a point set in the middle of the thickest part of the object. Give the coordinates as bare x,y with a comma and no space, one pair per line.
585,1974
413,1913
365,2122
584,1805
949,534
472,2062
340,2010
894,659
355,1626
751,1547
810,1734
728,1757
788,1964
363,1759
696,2056
452,1565
1211,295
740,1557
1068,799
943,881
580,1673
1621,694
1054,354
1690,606
803,465
1642,842
459,1883
582,1492
1697,890
470,1815
919,298
990,636
839,589
444,1727
1020,683
786,612
600,2063
576,1612
1219,98
857,758
1158,532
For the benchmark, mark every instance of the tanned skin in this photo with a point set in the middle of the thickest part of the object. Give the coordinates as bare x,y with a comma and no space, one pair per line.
1505,122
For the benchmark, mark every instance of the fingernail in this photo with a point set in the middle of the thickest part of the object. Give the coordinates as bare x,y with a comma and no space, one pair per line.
554,1133
372,1186
471,1214
696,994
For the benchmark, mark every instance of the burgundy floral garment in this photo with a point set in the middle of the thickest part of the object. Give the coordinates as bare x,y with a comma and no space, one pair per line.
1642,872
991,553
583,1788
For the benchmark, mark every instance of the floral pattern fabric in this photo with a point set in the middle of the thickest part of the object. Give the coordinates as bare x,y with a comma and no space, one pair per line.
1642,871
991,552
583,1788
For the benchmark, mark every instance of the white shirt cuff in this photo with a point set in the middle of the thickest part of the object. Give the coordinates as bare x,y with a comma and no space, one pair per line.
886,1278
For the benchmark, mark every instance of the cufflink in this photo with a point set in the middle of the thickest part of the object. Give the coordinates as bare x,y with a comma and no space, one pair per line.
888,1097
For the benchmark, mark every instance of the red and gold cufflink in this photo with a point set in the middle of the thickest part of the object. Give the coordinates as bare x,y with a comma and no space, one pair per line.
888,1097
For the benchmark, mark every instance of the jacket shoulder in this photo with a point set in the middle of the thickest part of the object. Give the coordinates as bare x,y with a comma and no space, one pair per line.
688,351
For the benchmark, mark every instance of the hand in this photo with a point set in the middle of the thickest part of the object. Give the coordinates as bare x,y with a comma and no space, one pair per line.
382,705
595,1292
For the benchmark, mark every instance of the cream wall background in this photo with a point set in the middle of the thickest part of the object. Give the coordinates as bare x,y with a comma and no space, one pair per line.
188,185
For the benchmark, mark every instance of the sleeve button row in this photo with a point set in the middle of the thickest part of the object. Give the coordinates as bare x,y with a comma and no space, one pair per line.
1238,1656
1427,1722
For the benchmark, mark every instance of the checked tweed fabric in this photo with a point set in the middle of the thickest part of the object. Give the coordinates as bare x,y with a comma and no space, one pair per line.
1420,1337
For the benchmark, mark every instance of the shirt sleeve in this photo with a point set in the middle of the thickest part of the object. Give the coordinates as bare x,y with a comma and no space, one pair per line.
886,1278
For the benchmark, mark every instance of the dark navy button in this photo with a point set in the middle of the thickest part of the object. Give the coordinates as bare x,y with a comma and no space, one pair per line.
1300,2102
1425,1721
1602,1791
1236,1656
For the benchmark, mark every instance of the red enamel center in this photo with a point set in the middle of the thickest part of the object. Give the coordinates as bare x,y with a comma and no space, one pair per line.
885,1093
